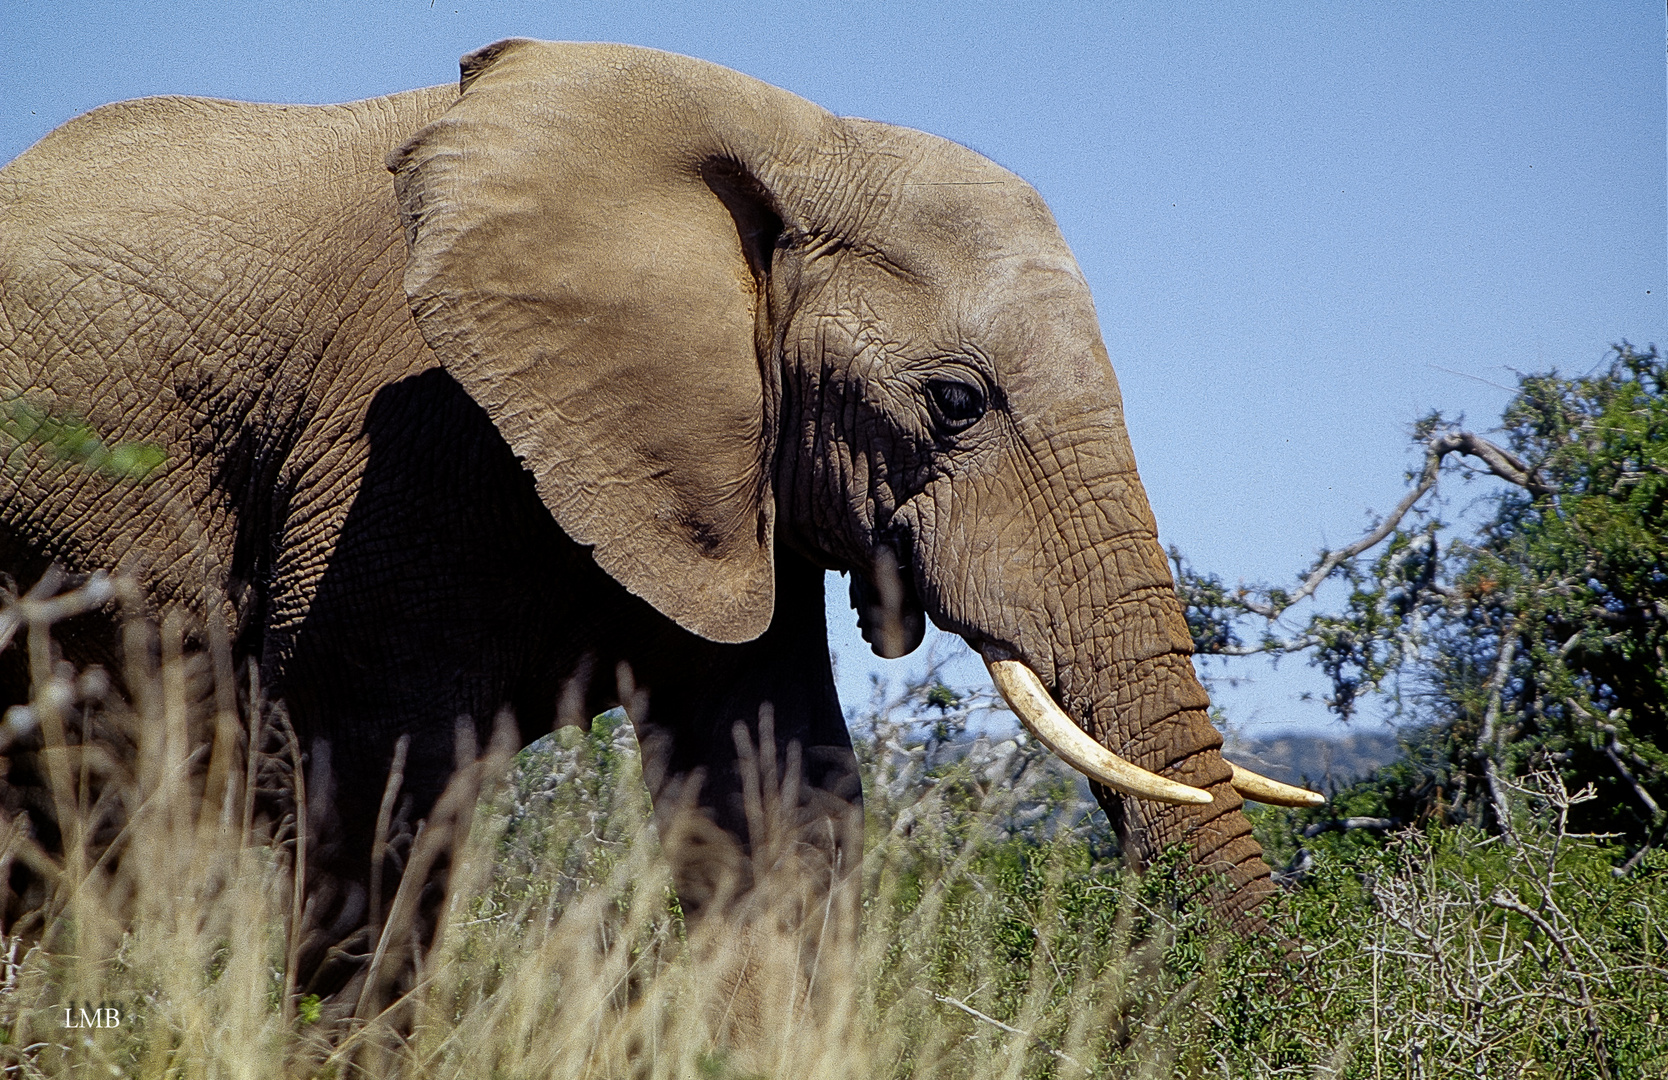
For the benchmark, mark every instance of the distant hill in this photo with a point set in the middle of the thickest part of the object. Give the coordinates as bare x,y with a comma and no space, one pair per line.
1317,759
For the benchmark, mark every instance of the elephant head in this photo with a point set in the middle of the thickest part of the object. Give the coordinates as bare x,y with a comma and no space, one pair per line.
710,317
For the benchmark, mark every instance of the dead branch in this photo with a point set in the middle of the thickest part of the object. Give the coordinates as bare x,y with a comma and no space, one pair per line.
1613,750
1488,739
1038,1039
1499,461
1308,641
1502,899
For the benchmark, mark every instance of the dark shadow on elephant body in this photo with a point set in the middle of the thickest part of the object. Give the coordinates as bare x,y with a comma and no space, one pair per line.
451,593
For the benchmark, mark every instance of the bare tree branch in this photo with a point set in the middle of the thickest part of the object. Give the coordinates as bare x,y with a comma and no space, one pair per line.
1613,750
1488,739
1039,1040
1502,899
1308,641
1500,461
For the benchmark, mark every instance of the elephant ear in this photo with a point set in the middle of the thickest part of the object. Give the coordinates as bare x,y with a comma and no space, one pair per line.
587,258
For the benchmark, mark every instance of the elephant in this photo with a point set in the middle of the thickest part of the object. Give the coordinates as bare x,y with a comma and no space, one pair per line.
564,386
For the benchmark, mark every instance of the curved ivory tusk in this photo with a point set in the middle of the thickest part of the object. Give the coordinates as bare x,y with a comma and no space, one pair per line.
1262,789
1036,709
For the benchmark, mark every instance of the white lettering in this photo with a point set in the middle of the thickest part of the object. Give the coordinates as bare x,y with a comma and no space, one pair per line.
90,1015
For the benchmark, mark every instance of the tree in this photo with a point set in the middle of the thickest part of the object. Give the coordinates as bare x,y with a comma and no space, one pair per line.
1539,640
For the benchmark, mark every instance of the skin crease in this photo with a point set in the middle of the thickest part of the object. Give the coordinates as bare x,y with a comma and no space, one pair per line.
656,347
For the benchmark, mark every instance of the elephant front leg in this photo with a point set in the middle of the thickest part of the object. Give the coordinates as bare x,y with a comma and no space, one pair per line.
755,785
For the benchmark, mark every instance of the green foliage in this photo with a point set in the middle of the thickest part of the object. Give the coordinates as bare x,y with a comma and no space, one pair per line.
575,803
941,697
70,439
1388,952
1404,954
1537,640
1530,958
1584,573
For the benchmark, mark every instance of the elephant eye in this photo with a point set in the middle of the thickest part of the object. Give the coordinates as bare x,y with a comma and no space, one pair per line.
957,405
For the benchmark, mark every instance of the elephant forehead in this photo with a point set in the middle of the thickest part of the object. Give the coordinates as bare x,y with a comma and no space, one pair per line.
1006,280
923,195
1040,329
984,224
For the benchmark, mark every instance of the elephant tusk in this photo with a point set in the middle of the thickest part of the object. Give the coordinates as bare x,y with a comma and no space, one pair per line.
1036,709
1262,789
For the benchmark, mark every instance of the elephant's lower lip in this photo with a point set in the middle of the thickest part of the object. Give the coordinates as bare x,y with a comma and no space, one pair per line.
989,648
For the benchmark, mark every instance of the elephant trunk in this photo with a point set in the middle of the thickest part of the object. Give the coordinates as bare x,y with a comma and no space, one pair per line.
1149,708
1217,835
1092,611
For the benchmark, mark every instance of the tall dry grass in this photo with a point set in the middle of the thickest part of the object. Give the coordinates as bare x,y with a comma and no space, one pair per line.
999,937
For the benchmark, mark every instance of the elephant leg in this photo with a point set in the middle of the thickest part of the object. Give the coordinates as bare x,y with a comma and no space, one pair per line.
750,764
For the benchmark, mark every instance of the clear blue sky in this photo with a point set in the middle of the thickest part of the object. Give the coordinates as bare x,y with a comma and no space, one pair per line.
1304,224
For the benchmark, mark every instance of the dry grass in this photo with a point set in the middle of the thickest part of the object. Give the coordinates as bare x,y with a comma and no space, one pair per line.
997,938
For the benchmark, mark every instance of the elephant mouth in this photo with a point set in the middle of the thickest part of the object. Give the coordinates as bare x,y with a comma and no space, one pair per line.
889,612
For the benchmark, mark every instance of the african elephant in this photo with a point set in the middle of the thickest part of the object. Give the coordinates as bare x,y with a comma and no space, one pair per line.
626,352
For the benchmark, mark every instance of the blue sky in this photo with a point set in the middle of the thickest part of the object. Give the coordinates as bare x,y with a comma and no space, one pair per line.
1305,225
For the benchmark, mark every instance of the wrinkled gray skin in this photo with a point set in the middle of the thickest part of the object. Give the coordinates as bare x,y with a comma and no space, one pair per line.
625,353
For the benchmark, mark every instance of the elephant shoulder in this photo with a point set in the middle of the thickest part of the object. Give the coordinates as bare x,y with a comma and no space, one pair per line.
179,233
